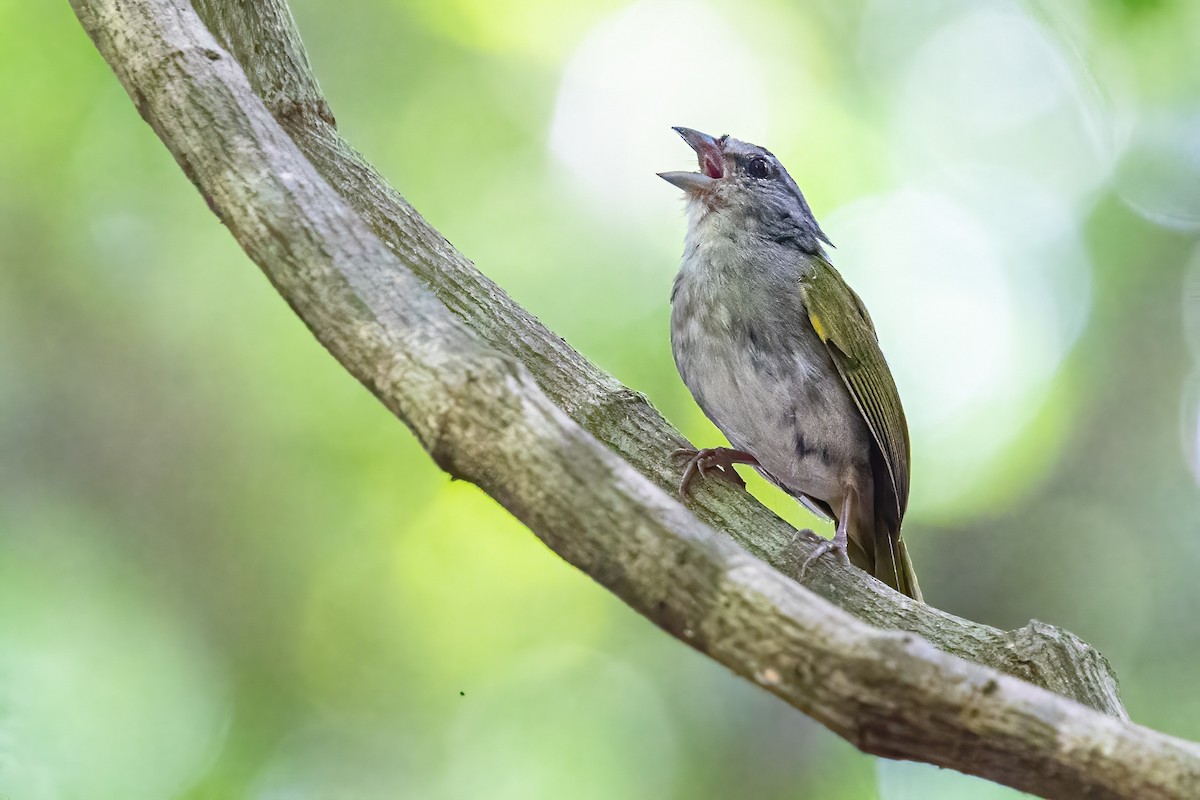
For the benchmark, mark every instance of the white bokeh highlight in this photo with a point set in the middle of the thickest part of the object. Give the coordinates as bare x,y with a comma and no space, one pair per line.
643,70
993,87
1159,175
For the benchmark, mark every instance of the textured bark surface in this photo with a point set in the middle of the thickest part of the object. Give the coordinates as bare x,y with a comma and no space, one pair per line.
499,400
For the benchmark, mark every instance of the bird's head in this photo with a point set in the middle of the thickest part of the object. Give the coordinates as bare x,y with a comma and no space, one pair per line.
746,184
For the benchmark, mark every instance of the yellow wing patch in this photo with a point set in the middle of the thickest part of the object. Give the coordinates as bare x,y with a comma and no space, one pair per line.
818,326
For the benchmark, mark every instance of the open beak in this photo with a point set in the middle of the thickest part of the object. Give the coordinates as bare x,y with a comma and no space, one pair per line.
711,159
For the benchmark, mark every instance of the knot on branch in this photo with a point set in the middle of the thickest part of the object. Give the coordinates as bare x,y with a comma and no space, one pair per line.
1057,659
296,113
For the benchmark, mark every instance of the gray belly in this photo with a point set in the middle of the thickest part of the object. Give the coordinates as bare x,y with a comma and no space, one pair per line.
768,383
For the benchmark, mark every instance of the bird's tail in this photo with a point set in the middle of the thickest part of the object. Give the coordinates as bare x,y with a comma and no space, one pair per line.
890,562
903,569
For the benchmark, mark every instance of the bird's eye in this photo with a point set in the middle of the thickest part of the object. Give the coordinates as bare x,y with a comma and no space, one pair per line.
758,167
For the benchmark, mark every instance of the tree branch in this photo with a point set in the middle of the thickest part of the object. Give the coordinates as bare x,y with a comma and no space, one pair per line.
265,34
453,357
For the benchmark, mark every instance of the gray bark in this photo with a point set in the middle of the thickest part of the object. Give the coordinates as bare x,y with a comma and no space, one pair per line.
499,400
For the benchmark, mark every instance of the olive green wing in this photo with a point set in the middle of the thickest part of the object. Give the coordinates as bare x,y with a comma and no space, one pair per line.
841,320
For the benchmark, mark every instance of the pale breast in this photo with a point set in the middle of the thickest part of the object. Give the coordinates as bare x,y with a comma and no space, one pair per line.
746,351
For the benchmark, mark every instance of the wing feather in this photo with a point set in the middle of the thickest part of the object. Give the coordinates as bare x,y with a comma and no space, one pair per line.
842,322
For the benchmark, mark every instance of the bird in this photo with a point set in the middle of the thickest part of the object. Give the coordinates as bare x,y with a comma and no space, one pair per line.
781,354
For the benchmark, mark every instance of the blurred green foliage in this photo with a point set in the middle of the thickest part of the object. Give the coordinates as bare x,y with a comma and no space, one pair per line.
226,571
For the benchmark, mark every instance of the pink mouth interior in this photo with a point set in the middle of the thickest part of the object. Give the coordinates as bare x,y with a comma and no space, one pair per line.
712,163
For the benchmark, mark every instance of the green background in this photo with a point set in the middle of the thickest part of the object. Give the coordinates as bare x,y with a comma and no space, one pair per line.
226,571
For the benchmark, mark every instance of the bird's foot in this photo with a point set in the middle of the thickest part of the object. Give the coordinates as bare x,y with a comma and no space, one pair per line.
716,461
835,545
806,533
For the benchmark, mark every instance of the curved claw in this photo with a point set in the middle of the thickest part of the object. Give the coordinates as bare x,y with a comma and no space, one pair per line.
835,545
689,473
717,460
